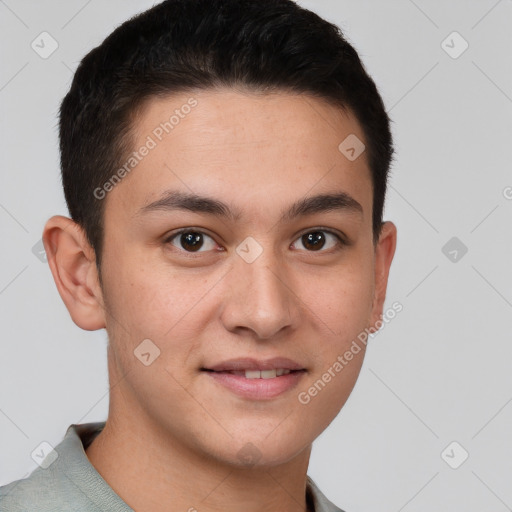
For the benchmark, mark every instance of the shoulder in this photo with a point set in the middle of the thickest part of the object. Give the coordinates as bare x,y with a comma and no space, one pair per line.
44,490
60,482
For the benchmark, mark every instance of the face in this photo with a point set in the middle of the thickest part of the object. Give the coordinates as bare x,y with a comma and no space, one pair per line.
243,233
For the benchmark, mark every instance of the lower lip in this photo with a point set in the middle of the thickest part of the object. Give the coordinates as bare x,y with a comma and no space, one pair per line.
257,389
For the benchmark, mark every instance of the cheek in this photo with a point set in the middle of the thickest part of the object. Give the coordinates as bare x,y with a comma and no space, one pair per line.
345,307
344,298
322,397
146,301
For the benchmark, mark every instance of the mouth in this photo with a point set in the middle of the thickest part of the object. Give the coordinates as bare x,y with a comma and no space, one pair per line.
256,380
257,374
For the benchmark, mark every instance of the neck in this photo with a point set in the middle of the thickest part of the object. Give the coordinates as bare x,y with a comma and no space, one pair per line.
153,472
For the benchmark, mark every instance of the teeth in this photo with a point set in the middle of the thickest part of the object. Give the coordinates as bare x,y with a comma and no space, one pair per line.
252,374
265,374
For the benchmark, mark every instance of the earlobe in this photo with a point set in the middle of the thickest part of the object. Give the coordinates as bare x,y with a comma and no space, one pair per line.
73,265
384,253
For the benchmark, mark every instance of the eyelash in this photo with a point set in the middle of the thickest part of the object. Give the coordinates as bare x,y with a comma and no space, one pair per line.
341,242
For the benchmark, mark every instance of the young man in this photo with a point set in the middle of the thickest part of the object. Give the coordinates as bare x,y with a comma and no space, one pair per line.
225,164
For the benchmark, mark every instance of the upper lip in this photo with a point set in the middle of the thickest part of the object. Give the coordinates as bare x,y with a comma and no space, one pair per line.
254,364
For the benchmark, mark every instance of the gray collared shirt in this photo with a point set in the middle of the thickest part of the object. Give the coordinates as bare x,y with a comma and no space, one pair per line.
70,482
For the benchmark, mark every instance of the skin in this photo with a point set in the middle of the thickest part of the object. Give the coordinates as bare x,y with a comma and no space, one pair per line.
258,154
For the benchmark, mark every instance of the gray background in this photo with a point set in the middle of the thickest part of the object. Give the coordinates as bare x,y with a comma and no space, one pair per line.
438,373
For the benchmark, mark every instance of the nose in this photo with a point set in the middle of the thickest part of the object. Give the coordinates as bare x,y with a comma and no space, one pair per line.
260,298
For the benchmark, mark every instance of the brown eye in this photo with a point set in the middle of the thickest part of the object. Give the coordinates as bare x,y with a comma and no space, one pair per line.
318,240
192,241
313,241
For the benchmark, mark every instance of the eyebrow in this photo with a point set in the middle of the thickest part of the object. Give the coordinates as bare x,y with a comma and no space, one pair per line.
177,200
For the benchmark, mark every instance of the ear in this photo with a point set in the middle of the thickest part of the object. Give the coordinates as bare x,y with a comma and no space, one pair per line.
384,253
73,264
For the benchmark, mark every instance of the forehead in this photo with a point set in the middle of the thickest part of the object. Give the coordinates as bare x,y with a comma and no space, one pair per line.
218,142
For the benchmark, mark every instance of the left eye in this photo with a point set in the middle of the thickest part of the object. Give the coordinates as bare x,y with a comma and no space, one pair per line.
317,240
192,241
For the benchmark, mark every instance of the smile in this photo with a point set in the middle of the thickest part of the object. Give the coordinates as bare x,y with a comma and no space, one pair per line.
256,384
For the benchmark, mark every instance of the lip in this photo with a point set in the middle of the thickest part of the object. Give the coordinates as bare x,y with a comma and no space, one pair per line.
254,364
257,389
